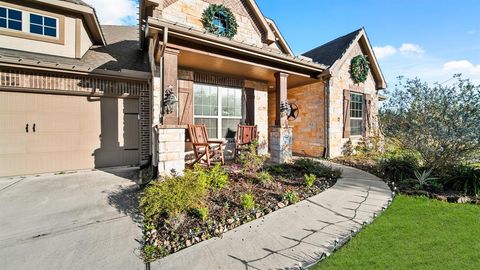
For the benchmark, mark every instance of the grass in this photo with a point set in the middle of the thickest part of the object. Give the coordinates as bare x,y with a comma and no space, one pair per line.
415,233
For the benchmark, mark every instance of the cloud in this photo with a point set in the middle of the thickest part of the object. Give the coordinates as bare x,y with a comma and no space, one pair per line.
472,32
462,66
410,48
122,12
384,52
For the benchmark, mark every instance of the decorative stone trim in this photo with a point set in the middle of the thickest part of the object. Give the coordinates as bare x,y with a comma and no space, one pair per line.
280,144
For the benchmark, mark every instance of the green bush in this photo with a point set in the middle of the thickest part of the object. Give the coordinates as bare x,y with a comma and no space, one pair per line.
173,196
398,166
310,179
201,213
251,161
265,179
247,201
290,196
217,177
464,179
310,166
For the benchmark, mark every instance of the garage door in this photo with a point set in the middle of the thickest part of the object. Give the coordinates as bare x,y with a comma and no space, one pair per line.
49,133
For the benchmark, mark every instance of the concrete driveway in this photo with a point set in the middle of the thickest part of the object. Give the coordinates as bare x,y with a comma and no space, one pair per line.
83,220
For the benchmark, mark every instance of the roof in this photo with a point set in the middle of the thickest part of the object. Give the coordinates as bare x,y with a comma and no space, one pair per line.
331,51
78,2
122,52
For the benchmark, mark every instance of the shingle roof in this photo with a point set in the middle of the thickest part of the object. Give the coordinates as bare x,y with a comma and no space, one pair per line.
331,51
121,52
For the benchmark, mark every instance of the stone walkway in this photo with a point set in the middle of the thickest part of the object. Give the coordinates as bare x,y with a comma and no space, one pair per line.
294,237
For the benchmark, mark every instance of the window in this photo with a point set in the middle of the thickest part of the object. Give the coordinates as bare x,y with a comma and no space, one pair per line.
43,25
218,108
220,21
10,19
356,114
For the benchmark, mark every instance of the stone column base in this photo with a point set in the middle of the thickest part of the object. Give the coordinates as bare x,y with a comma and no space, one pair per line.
281,144
171,149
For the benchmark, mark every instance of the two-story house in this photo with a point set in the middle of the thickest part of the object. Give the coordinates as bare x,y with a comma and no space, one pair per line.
78,95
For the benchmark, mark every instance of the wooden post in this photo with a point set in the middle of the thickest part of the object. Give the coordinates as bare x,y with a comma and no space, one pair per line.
281,96
170,77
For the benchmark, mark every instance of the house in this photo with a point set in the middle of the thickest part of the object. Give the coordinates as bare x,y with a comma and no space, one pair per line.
78,95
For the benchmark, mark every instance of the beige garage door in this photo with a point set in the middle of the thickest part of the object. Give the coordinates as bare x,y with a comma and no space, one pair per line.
49,133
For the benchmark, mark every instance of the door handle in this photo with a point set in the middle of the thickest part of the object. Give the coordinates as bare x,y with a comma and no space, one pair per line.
33,127
26,128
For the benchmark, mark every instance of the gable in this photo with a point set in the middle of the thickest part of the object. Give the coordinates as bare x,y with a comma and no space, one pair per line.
253,28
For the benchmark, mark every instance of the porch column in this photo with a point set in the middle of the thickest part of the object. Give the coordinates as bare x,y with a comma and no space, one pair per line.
170,78
281,133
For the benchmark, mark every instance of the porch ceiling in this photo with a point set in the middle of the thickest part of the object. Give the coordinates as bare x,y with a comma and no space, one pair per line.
210,62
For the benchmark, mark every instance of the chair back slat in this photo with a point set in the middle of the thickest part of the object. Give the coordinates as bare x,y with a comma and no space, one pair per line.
246,134
198,134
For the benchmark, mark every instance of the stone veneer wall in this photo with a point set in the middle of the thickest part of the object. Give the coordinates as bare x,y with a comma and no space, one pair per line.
171,150
338,83
309,127
189,13
35,81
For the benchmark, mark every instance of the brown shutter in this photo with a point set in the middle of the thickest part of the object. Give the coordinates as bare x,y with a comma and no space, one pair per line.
346,113
185,100
249,106
368,110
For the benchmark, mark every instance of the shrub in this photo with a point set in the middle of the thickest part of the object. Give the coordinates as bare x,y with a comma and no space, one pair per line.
423,178
251,161
464,179
278,169
290,196
347,149
201,213
217,177
439,122
398,166
173,196
310,166
265,179
247,201
310,179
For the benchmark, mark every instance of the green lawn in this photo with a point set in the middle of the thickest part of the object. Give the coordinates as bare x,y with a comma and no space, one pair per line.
415,233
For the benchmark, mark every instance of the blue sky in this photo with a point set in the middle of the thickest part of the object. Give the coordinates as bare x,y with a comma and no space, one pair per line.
431,39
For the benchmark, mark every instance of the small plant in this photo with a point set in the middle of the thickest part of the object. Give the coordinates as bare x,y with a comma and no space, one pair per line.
310,179
265,179
423,178
347,149
150,253
226,205
290,196
217,177
251,161
464,178
202,213
247,201
310,166
278,169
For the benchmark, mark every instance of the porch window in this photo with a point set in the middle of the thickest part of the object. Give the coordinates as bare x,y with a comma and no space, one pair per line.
10,18
218,108
356,114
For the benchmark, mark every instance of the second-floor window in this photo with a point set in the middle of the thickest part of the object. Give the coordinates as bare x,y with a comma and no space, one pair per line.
10,19
43,25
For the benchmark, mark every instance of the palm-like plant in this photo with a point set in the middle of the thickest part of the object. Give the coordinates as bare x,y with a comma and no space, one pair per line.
423,177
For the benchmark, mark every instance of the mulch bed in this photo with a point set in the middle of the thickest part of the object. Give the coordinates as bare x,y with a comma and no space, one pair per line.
226,212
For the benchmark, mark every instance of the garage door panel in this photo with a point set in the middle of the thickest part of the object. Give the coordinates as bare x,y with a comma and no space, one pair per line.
72,133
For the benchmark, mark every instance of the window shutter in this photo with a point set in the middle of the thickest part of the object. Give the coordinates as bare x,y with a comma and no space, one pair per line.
346,113
185,100
249,106
368,110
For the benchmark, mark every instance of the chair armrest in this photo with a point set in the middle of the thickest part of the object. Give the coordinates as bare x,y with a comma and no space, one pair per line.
200,144
217,141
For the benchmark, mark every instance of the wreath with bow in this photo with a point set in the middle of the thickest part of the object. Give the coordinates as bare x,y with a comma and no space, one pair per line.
219,10
359,68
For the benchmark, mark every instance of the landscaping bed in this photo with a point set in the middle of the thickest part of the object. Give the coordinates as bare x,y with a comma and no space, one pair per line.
181,211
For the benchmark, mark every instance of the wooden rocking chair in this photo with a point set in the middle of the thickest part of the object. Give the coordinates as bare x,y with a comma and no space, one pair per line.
246,135
205,149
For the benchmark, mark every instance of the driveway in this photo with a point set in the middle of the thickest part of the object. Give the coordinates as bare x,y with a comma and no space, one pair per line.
83,220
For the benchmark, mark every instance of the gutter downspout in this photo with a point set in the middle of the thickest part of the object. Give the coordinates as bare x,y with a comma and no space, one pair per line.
326,83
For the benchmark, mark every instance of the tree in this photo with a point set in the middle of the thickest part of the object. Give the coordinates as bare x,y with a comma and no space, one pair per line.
441,123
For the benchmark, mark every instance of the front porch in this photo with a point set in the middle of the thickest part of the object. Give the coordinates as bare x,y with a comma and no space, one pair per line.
221,88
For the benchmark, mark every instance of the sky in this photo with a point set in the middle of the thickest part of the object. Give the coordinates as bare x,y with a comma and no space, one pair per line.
429,39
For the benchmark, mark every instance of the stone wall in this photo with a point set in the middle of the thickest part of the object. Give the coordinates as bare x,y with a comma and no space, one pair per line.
189,13
340,81
309,127
171,150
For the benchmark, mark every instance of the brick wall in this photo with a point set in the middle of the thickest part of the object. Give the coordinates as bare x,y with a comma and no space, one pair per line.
28,80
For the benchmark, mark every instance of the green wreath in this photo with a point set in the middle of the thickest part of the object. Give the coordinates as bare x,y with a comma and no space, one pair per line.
359,68
219,10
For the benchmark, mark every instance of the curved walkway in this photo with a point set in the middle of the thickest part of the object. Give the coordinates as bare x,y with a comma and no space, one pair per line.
294,237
